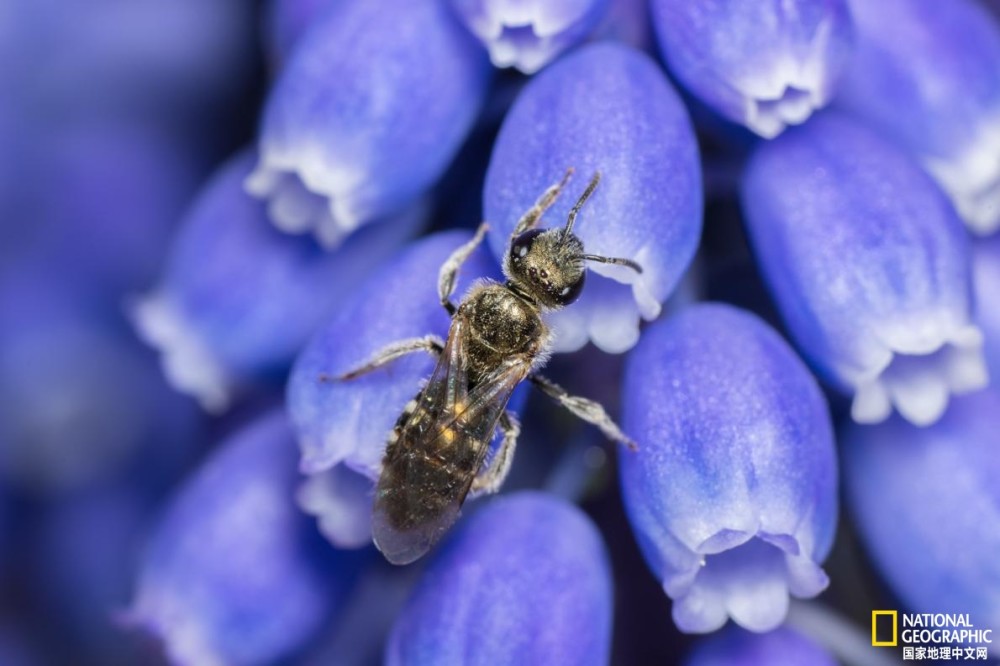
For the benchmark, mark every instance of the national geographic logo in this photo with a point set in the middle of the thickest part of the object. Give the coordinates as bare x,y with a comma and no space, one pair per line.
931,636
885,628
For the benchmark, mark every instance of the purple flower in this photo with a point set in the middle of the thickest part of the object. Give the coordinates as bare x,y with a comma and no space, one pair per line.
932,83
529,34
605,108
869,266
238,299
367,115
525,580
927,504
732,492
343,427
233,573
736,647
765,64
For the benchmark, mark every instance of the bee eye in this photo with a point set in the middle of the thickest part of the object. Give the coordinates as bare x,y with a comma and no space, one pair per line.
521,246
569,293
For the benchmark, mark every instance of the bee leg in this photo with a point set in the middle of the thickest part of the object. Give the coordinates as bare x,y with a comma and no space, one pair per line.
429,343
448,274
588,410
530,219
492,477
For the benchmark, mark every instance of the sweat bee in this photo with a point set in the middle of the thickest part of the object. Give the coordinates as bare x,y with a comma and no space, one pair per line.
437,450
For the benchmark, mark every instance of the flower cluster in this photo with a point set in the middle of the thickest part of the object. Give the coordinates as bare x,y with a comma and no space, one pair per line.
250,311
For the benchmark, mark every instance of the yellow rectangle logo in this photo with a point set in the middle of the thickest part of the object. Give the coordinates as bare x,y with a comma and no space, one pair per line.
875,615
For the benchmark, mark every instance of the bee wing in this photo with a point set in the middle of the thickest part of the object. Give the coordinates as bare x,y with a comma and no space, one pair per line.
433,475
448,385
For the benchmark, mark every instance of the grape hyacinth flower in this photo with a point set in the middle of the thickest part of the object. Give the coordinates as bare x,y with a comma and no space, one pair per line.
932,83
604,108
238,298
235,573
869,265
367,115
525,580
529,34
343,427
927,505
732,492
737,647
766,64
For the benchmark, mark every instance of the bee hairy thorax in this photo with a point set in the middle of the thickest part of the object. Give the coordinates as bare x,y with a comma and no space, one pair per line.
501,323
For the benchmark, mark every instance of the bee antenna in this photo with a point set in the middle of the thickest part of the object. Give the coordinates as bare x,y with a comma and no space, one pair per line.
571,220
617,261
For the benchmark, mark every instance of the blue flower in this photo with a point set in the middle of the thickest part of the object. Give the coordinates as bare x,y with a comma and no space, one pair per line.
233,573
869,265
732,492
765,64
343,427
525,580
367,115
932,83
605,108
238,299
736,647
529,35
927,505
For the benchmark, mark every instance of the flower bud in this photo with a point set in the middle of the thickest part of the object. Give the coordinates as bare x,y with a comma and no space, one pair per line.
765,64
869,265
732,491
372,107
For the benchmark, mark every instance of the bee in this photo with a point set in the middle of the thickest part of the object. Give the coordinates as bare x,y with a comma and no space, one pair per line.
437,450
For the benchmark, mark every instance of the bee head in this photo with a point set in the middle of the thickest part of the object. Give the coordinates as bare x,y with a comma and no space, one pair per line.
548,265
